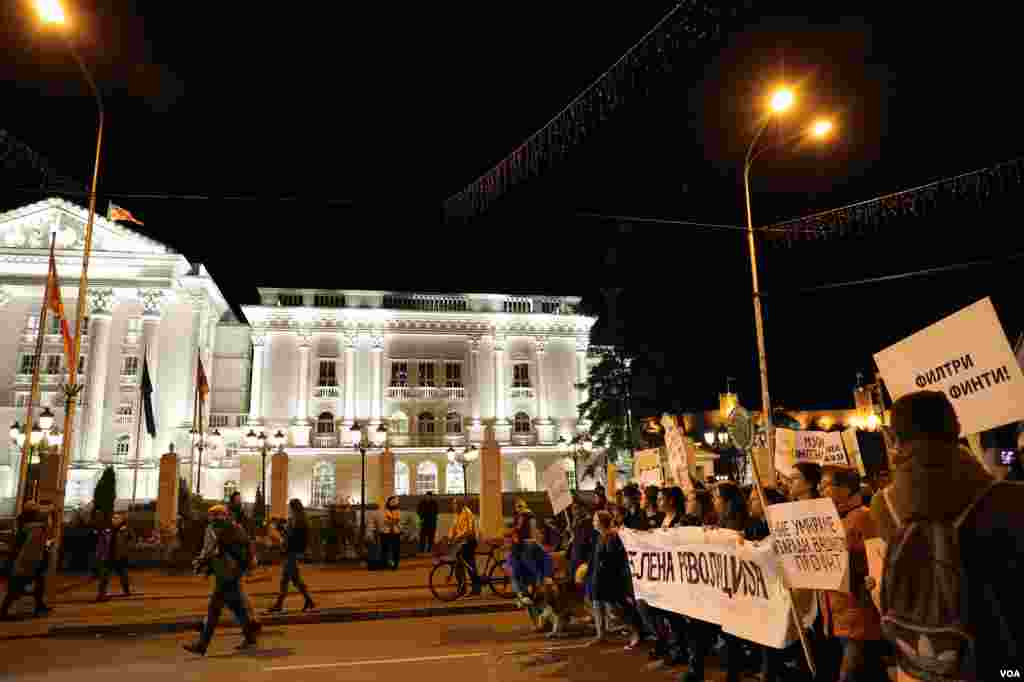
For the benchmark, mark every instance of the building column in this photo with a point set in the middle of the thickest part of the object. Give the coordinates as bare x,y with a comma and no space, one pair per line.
279,485
376,389
196,338
499,379
302,403
152,309
256,390
474,379
542,401
581,369
101,304
350,379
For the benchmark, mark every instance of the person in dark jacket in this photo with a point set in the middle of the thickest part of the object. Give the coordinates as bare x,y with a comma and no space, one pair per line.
237,511
119,539
29,560
427,510
296,538
225,557
935,480
634,518
649,502
608,575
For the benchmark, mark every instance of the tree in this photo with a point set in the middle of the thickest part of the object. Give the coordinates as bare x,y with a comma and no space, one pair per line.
607,409
106,492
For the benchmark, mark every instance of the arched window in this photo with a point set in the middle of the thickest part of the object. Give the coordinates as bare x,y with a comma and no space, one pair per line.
526,475
401,478
230,488
454,423
425,423
522,423
121,448
323,490
325,423
454,481
399,423
426,477
570,472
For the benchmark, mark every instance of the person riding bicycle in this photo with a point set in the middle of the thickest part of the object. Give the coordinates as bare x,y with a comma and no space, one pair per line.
464,532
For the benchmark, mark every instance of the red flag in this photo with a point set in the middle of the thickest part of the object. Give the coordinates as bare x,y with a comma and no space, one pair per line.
202,386
56,306
117,214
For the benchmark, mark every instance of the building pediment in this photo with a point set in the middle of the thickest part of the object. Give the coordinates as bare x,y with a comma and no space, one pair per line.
29,227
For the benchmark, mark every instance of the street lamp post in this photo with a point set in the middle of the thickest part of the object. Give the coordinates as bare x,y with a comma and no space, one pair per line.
202,441
580,446
359,443
44,436
263,442
464,459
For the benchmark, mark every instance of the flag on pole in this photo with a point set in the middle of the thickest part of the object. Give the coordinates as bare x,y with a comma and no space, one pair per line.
147,397
202,386
56,306
118,214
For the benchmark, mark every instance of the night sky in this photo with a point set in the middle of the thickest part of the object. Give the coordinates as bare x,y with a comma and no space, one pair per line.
369,122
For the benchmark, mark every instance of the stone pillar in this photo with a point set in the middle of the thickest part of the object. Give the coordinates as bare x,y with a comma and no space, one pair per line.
152,310
491,519
256,390
376,389
302,402
542,399
350,379
473,378
279,486
196,336
581,368
101,303
386,462
499,380
167,495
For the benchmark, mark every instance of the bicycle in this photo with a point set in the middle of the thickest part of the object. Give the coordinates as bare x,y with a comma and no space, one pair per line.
449,581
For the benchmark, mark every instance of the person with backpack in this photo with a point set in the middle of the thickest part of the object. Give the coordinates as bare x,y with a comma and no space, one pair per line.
224,556
955,547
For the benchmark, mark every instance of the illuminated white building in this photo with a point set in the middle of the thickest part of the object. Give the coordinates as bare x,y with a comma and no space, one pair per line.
433,369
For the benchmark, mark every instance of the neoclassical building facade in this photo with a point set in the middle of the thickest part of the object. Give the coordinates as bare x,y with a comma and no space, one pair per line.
309,365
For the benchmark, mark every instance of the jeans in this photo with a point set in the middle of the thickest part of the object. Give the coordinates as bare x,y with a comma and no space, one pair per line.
468,554
16,585
427,534
228,592
703,637
390,548
118,566
290,573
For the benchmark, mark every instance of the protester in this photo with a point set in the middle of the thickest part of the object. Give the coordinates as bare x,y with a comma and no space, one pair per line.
523,555
757,527
428,512
608,569
237,511
667,627
852,630
463,533
223,556
649,503
29,560
296,539
118,540
386,525
802,483
582,537
935,482
634,517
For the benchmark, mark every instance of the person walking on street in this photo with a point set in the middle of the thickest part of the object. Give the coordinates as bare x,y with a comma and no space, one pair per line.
225,557
388,529
237,511
296,538
464,531
29,560
118,541
427,511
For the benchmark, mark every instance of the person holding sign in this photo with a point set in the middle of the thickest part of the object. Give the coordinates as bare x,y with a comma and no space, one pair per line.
852,628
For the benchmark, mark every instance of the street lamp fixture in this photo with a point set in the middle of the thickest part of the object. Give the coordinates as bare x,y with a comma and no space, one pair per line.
709,438
203,441
46,419
254,441
355,435
821,128
781,100
464,459
51,12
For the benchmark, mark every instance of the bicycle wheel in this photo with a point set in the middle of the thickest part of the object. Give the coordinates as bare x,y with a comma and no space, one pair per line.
445,582
499,581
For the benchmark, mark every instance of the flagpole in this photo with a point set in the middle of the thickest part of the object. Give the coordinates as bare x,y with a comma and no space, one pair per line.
195,430
33,396
138,427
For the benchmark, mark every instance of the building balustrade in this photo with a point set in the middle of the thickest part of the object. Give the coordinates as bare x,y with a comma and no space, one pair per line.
520,392
327,392
326,440
451,393
124,420
129,380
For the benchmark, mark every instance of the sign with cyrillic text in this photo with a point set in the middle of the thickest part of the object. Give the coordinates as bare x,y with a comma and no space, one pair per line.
556,482
645,460
810,541
708,576
817,447
966,356
680,459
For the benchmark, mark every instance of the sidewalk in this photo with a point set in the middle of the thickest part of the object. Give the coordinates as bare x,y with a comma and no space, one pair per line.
174,603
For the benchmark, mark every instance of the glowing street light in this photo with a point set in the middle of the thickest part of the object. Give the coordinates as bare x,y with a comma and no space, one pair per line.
821,128
781,100
51,12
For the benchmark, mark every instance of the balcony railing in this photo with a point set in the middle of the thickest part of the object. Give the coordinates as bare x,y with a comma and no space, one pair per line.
456,393
426,440
129,379
325,440
124,420
452,393
326,392
520,392
400,392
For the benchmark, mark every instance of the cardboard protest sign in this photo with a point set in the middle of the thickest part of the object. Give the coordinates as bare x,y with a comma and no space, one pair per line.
650,477
876,549
810,541
967,357
818,447
680,458
853,454
685,571
556,482
644,460
765,470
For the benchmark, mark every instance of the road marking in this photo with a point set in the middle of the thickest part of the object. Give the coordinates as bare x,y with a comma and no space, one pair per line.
379,661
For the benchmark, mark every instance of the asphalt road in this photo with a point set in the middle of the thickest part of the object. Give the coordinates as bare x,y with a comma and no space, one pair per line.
477,648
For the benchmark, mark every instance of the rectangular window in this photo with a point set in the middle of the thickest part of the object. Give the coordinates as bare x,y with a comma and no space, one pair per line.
52,324
135,324
126,410
293,300
129,366
219,420
53,364
85,325
453,374
426,374
399,373
328,301
32,323
81,364
328,374
28,364
521,375
122,448
21,400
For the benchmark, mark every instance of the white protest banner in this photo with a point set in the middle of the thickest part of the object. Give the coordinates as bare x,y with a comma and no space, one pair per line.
966,356
556,482
818,447
706,575
809,539
876,549
645,460
853,451
680,459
